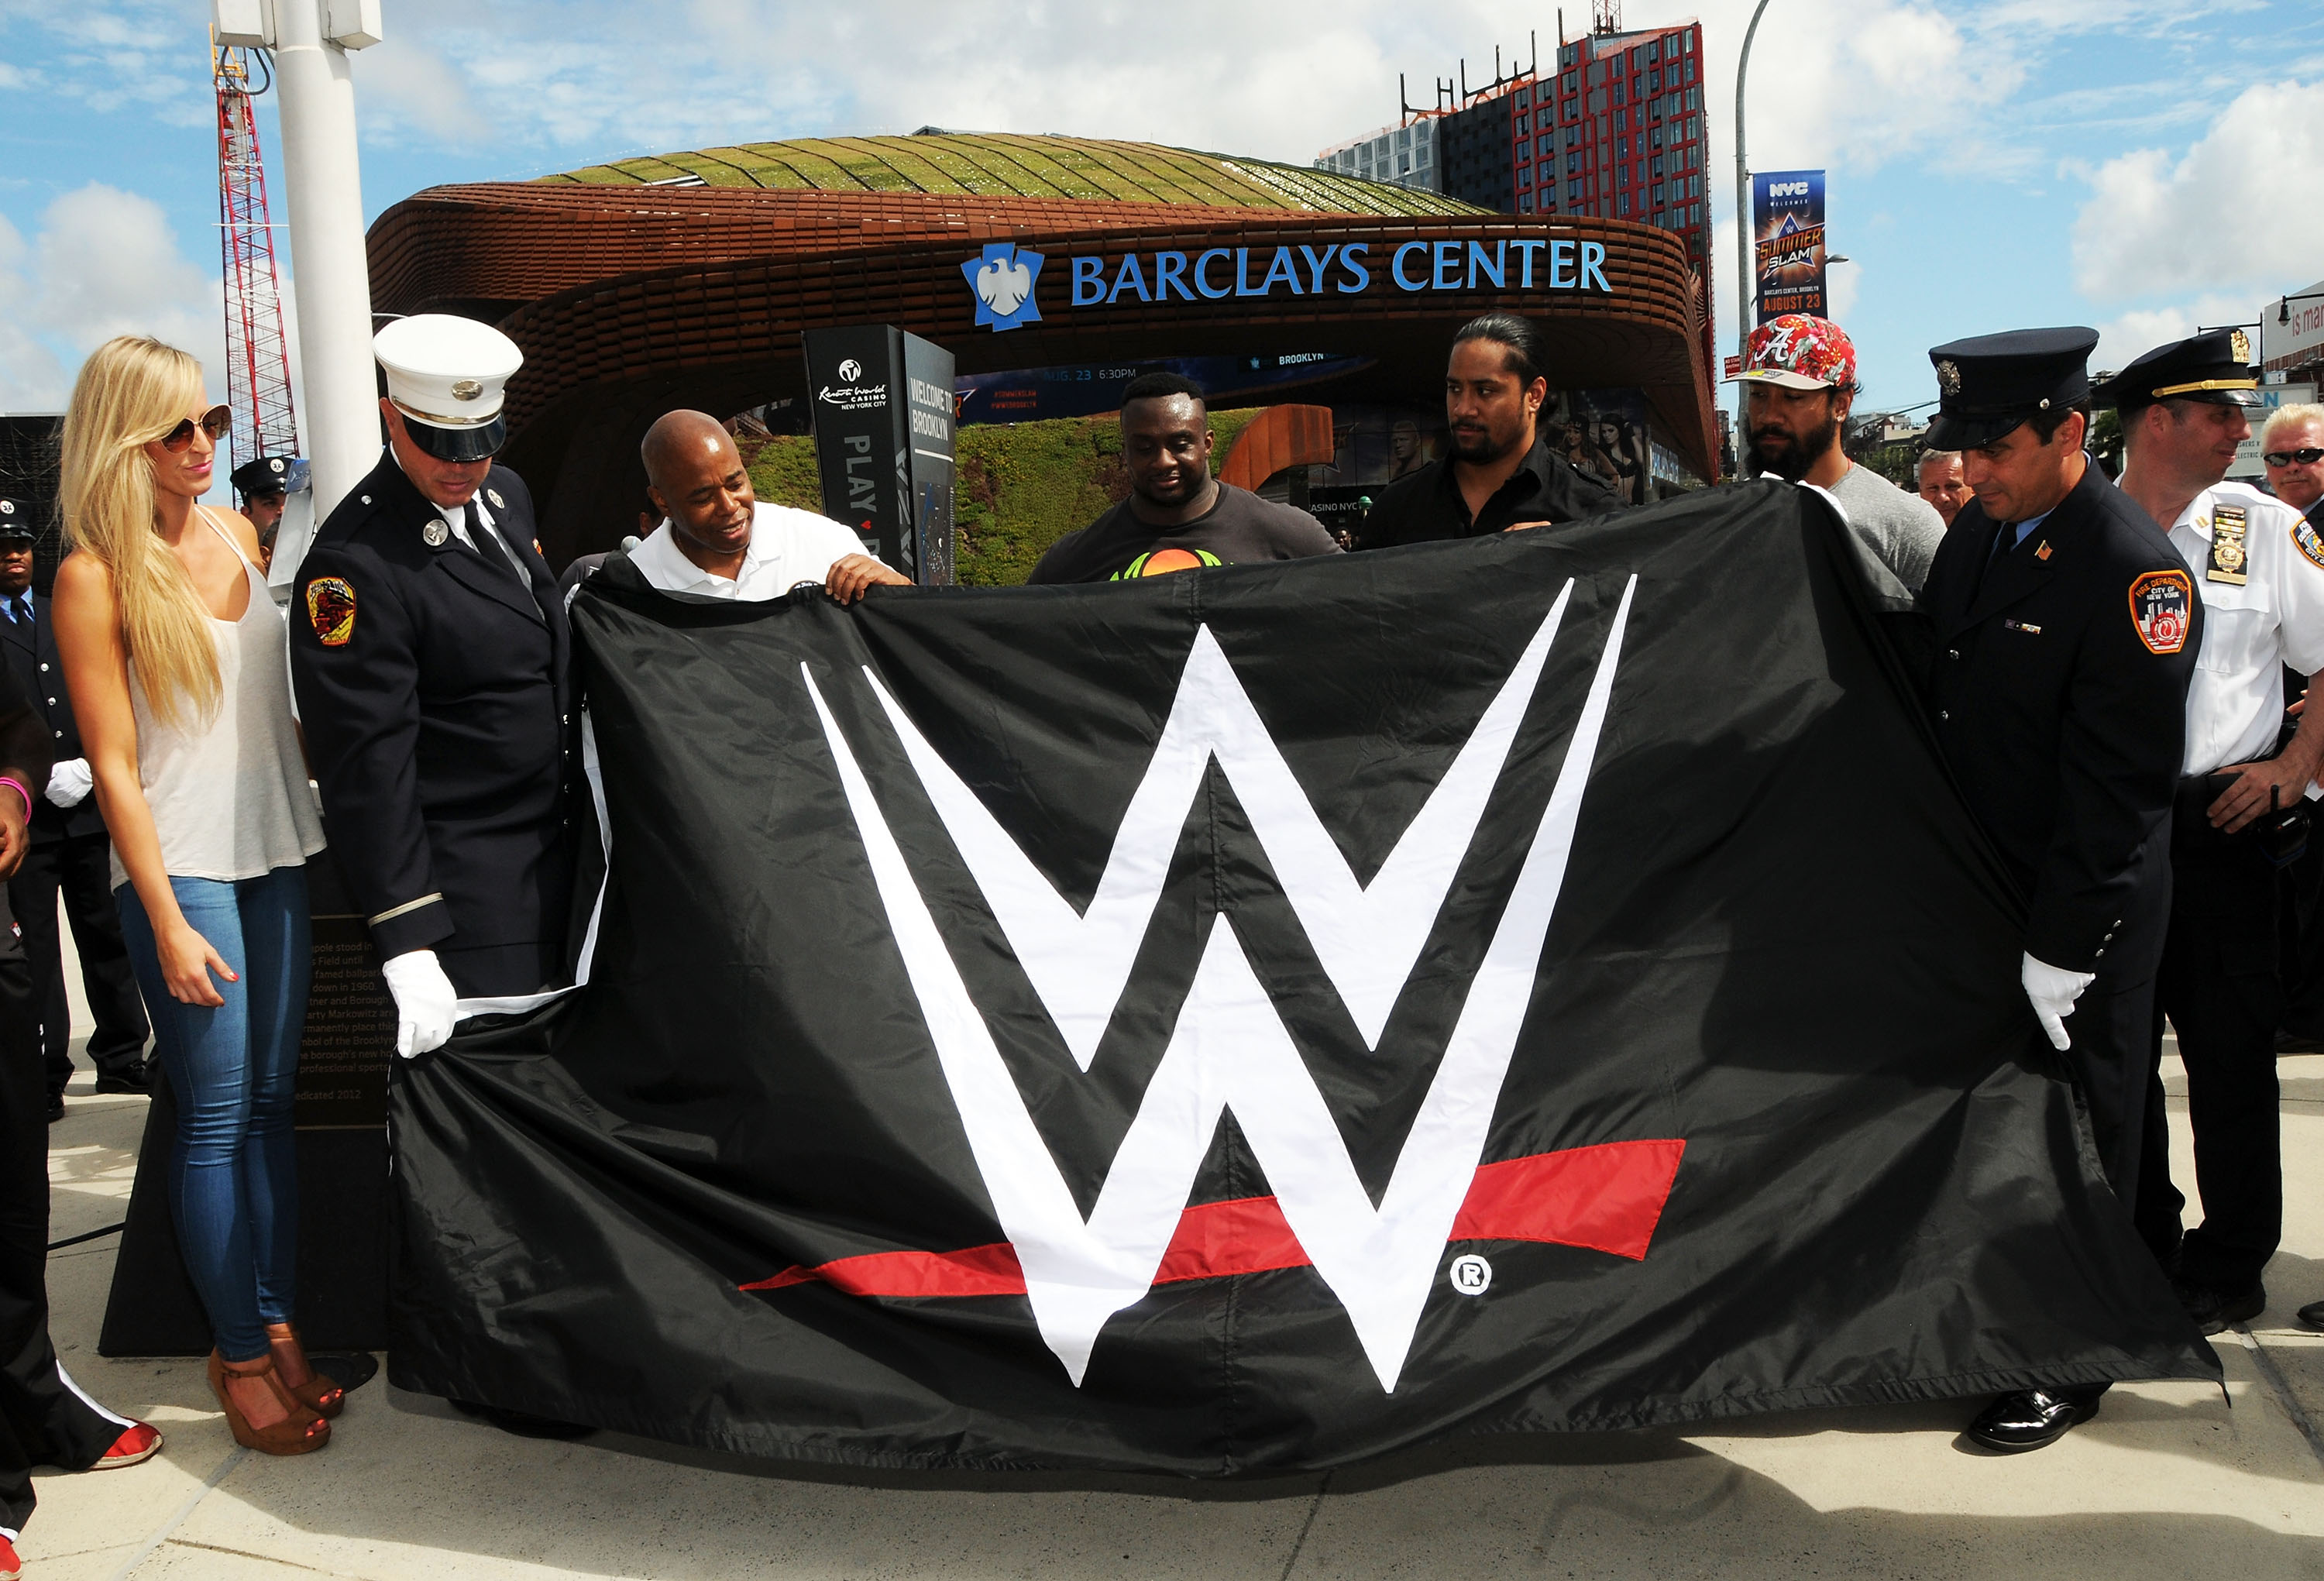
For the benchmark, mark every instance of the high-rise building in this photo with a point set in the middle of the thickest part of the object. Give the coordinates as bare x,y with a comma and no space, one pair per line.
1616,130
1404,156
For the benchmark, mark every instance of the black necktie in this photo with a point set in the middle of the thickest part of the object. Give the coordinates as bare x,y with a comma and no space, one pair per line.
492,548
486,542
2006,540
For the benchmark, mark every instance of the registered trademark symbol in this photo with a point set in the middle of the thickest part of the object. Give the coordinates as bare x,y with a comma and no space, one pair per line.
1471,1275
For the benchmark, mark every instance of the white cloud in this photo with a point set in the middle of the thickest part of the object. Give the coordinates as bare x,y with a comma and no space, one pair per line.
2237,208
546,84
104,262
109,264
1856,84
1859,83
2141,329
1841,286
115,54
533,76
31,376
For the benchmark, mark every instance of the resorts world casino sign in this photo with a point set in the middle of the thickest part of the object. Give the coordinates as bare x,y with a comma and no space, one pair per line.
1005,277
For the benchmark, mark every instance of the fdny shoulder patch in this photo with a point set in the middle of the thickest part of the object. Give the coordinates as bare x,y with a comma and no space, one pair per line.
1162,562
2162,607
2304,538
331,610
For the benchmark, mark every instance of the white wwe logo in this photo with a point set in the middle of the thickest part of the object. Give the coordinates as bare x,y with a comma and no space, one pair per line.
1230,1049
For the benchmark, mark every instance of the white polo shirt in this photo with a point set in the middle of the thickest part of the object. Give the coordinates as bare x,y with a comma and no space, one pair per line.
2251,630
786,547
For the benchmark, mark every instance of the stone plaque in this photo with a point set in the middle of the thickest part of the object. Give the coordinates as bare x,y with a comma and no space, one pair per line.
350,1038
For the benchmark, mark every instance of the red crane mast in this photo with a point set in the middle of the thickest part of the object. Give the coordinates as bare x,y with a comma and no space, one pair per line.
257,354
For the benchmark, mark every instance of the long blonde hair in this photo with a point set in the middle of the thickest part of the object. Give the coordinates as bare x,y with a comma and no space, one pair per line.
132,390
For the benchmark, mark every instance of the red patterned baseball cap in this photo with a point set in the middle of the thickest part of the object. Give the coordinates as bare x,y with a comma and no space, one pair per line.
1799,352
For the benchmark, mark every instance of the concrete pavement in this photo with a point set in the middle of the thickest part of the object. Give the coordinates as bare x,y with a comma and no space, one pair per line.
2168,1482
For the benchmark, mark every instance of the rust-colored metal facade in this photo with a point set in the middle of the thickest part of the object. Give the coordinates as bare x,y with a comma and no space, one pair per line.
631,301
1280,437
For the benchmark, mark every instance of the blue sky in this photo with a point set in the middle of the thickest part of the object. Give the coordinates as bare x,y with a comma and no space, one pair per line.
2136,165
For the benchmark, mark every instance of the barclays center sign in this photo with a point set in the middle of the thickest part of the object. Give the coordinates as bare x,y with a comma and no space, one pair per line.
1004,278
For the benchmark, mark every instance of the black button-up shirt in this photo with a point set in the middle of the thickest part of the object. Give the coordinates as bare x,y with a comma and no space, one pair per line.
1425,506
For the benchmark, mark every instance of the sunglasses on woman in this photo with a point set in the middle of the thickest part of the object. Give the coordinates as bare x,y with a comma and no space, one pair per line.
2306,455
214,422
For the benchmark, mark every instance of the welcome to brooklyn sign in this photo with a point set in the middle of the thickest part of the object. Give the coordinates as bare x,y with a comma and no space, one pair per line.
1268,1016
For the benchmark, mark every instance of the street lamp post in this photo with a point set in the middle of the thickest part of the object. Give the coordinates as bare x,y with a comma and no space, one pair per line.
1745,276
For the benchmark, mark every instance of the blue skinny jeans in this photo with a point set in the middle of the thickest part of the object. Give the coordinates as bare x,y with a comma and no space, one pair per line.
234,1171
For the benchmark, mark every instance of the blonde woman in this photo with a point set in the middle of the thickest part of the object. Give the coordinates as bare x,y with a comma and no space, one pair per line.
180,682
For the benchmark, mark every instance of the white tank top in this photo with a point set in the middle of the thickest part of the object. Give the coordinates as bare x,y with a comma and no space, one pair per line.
230,799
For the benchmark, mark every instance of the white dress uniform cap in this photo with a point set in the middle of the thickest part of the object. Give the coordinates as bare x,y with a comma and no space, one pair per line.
447,376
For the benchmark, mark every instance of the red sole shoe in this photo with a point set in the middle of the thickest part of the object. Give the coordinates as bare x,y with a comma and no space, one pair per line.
138,1443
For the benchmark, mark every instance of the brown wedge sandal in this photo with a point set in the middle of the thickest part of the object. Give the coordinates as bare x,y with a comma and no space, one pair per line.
301,1431
317,1392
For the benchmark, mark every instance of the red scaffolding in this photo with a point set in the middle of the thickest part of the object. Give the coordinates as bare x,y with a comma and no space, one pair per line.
258,357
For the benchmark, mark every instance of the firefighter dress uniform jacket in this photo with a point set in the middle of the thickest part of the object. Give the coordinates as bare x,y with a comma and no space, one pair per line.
433,686
2058,690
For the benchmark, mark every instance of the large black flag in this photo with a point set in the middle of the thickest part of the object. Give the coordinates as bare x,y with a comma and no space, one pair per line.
1266,1016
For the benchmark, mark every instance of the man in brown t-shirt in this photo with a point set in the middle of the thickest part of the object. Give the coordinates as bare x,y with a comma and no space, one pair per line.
1177,516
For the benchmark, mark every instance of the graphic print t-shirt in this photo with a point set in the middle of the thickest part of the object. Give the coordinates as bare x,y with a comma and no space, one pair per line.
1241,528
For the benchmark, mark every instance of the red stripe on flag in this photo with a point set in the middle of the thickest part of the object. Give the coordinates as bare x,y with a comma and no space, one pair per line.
1214,1239
989,1270
1607,1197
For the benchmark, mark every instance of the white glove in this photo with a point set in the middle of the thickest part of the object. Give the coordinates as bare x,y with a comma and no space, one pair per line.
70,782
426,1007
2054,990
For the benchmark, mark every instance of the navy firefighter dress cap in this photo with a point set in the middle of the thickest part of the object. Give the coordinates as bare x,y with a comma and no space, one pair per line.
1989,384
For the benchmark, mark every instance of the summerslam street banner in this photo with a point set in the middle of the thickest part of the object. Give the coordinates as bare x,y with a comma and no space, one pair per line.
1266,1017
1787,230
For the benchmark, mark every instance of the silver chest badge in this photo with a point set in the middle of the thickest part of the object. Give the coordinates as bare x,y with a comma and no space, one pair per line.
494,496
435,533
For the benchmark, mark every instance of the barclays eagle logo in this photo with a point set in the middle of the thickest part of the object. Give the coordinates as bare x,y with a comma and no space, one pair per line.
1003,279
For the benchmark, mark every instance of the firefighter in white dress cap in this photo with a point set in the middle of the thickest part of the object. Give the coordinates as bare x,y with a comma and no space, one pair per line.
429,650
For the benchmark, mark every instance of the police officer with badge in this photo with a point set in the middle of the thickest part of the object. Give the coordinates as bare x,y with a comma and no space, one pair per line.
2241,813
429,649
2066,631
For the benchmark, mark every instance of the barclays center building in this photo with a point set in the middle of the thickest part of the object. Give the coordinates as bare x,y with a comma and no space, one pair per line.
1053,271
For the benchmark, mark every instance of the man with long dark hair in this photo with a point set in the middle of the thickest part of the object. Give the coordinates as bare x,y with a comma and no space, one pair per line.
1501,472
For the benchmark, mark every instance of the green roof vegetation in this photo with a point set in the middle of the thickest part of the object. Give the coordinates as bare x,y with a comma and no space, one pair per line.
1005,164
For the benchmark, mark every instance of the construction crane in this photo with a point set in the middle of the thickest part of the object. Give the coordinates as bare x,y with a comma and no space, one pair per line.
257,356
